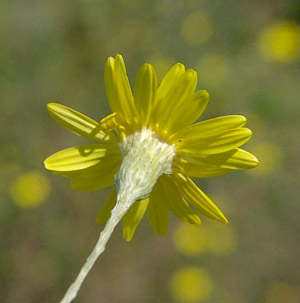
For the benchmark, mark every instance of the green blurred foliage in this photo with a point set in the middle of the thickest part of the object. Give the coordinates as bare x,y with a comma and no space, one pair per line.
55,51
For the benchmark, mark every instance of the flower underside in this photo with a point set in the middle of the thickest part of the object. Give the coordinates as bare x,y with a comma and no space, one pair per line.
150,147
145,158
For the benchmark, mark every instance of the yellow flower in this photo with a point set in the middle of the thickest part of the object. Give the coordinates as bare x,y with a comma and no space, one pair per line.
191,284
196,28
150,135
192,240
281,42
30,189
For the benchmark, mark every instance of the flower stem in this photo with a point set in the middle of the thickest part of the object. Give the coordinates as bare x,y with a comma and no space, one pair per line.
116,215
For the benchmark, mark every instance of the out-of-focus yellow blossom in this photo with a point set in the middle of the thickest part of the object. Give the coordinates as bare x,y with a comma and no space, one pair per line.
282,293
193,240
214,69
220,241
191,284
270,155
196,28
281,42
30,189
188,240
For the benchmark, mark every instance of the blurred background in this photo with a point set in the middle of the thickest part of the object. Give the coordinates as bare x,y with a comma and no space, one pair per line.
247,56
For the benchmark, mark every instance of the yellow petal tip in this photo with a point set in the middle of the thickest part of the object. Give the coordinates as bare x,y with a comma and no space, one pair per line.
179,66
223,219
196,220
249,132
255,162
119,56
161,233
110,61
99,219
46,164
191,73
120,60
205,93
148,66
127,236
51,106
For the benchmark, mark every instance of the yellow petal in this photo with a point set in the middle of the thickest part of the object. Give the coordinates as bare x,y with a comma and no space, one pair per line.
212,126
169,79
118,89
215,143
78,123
234,159
194,167
97,177
157,211
79,157
105,211
98,182
106,164
198,199
145,92
215,165
182,89
188,111
176,203
133,217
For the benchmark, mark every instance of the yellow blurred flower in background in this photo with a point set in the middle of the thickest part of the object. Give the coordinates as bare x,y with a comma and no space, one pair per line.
29,189
214,69
191,284
280,292
191,240
281,42
196,29
188,241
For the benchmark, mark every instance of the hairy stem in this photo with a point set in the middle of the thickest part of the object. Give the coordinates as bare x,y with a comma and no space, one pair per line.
145,158
116,215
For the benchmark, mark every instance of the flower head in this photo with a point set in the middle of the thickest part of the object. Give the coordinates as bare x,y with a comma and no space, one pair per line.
150,148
